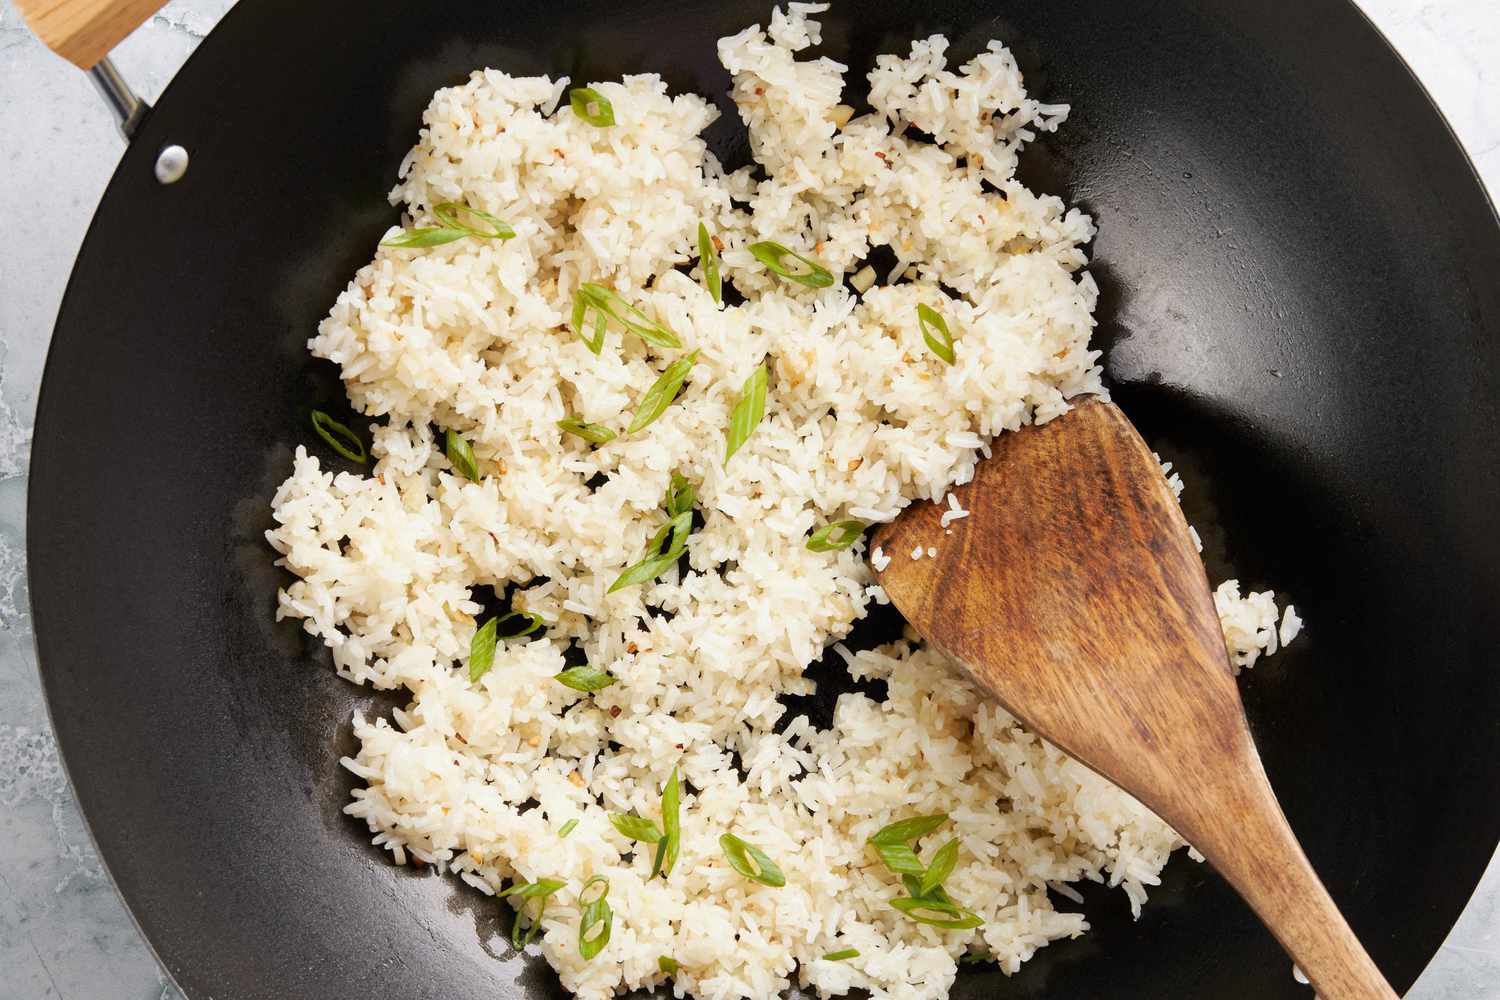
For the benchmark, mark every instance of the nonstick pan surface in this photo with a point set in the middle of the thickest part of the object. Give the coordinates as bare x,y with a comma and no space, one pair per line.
1300,308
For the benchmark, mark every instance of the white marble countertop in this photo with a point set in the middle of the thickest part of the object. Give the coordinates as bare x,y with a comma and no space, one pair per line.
63,931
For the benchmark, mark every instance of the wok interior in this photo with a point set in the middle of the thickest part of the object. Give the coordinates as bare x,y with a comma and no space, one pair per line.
1297,269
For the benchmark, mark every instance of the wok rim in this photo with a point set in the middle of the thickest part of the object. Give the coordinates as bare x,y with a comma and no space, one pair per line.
135,156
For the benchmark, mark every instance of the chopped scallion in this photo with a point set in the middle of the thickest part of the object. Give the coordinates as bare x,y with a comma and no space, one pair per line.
667,965
451,214
680,495
671,823
592,106
585,678
839,956
751,862
582,307
835,536
568,828
937,913
533,622
531,890
901,859
914,890
454,216
747,413
665,389
592,433
482,649
943,863
597,918
339,437
803,270
708,259
524,929
429,236
634,827
647,569
460,455
935,332
909,829
656,562
607,302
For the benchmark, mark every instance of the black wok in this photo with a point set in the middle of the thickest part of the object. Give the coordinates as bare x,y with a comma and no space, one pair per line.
1300,308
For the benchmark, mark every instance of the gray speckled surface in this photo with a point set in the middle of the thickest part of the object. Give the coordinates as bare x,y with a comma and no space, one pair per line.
63,931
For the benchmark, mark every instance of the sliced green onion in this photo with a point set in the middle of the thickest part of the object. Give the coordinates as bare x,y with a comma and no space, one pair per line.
747,412
533,622
667,965
901,859
839,956
609,303
587,896
592,106
592,433
433,236
461,456
665,389
582,306
585,678
680,495
839,535
657,562
909,829
943,863
647,569
671,824
482,649
805,271
339,437
450,214
531,890
596,920
567,828
936,913
680,525
524,929
708,258
751,862
935,332
914,890
634,827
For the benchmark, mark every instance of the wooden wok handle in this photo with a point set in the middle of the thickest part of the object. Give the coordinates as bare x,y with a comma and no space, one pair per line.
83,31
1240,828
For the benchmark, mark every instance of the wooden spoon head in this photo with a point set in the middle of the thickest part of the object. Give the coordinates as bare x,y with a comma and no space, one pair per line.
1073,592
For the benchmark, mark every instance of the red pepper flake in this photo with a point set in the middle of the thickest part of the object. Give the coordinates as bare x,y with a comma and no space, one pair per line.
718,243
760,91
882,156
614,711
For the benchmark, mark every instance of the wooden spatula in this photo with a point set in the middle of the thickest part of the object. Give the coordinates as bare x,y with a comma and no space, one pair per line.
1074,594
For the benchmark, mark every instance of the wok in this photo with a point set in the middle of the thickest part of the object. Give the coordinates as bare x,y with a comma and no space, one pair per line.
1299,308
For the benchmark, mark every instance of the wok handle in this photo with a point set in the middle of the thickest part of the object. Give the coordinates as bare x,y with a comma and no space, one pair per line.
83,31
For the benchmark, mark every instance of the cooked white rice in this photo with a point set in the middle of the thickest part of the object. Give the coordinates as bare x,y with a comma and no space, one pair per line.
860,420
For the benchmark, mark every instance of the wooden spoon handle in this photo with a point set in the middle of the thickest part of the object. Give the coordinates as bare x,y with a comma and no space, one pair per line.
1244,834
83,31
